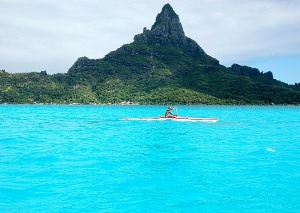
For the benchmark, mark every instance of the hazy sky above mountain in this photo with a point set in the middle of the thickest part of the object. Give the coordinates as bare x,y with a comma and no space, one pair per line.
50,34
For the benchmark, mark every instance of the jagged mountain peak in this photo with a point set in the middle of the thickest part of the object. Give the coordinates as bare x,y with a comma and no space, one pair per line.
168,21
168,7
167,30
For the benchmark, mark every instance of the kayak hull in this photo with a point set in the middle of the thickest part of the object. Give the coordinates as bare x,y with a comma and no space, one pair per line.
175,118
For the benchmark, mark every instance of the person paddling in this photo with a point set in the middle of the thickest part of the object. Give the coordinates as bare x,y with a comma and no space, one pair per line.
169,112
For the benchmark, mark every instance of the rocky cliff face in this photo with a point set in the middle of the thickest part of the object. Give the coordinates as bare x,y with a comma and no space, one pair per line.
249,71
167,30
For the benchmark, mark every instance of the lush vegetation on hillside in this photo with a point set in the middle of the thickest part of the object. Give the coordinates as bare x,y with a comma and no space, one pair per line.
148,75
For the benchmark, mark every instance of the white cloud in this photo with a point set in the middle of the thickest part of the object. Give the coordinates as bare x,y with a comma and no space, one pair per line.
239,30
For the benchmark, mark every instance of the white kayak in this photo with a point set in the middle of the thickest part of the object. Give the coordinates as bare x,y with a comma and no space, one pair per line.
174,118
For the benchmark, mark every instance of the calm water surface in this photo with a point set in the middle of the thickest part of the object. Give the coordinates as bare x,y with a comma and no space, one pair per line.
86,159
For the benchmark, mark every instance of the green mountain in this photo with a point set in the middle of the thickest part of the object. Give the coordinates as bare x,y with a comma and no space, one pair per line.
161,66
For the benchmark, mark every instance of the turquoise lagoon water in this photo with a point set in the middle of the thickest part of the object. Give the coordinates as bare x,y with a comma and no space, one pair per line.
85,159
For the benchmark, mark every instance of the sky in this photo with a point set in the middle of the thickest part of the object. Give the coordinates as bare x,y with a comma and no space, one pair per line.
51,35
